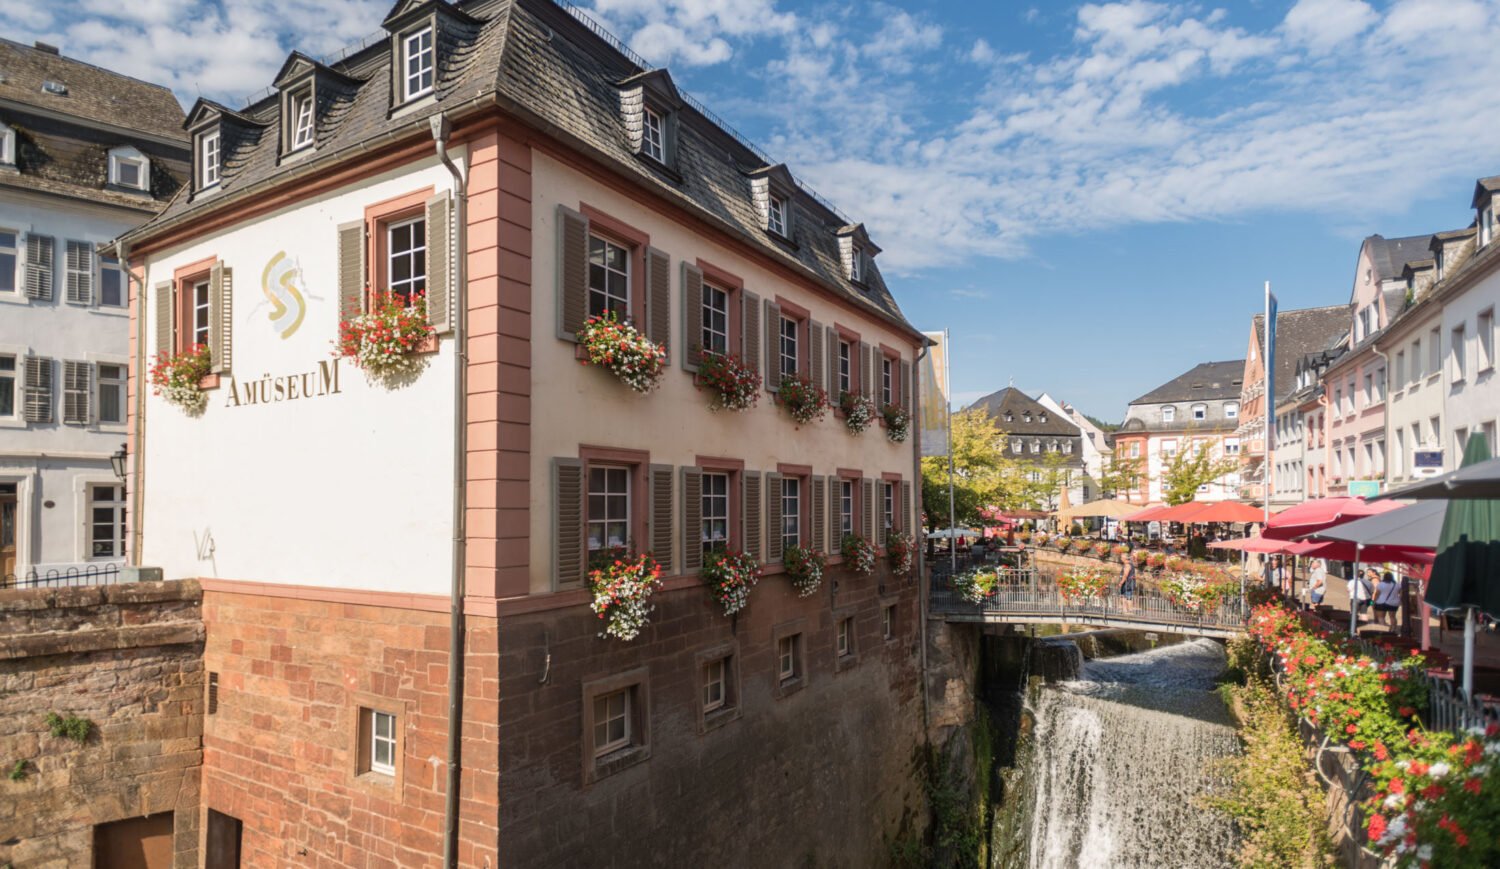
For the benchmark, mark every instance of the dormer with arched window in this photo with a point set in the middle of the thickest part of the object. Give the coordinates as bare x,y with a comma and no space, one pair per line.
650,107
1169,413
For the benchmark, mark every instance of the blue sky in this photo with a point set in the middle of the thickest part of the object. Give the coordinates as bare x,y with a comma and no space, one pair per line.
1088,196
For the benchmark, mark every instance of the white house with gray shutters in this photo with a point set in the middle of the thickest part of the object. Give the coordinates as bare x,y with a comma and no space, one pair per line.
85,154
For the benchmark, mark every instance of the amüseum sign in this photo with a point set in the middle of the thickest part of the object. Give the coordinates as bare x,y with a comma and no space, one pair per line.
266,389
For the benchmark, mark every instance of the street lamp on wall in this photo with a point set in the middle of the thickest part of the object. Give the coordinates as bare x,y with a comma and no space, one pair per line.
117,462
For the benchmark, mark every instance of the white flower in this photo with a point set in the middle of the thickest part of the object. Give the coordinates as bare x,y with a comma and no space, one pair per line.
1438,770
1424,852
1394,801
1396,829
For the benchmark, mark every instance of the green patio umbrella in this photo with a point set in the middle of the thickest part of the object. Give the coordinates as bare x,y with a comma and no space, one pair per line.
1466,573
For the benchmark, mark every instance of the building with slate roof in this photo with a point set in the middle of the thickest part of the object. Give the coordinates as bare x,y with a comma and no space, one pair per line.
1034,431
85,154
1197,410
507,178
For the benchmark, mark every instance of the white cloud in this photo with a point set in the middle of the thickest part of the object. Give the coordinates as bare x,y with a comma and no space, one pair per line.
690,32
981,52
1324,24
901,39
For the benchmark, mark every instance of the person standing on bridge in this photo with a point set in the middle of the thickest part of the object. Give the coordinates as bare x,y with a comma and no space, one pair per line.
1127,577
1317,582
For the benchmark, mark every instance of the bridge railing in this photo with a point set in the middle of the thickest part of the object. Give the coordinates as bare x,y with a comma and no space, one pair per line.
63,575
1024,592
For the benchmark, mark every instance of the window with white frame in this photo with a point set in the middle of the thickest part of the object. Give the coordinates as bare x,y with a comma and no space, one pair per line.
788,347
888,621
1200,411
1135,449
612,721
208,159
1369,389
1380,384
776,216
856,264
1169,447
1067,448
9,258
1486,225
608,508
200,313
653,136
7,386
302,120
129,169
788,657
406,259
609,279
381,727
1169,414
7,145
1416,360
888,505
111,283
715,511
1489,438
1400,368
845,645
1015,446
106,521
1435,425
716,684
845,382
846,508
887,388
715,320
791,512
1484,331
1231,410
417,64
1036,447
1456,350
1434,351
110,384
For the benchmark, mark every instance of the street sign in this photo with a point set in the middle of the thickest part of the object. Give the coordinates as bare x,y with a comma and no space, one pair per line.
1364,488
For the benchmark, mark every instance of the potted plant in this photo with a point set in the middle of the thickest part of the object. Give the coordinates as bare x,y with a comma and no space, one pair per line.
176,378
803,399
1101,549
901,549
735,385
859,554
623,351
621,586
976,586
897,423
1118,550
731,575
1140,557
1156,559
804,567
859,411
1083,584
386,341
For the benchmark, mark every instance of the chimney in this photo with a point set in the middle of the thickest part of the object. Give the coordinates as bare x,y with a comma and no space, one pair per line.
50,49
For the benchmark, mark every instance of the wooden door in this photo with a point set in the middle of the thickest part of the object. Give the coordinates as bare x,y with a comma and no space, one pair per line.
8,517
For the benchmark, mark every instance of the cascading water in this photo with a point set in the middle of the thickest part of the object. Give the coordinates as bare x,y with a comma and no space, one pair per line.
1120,760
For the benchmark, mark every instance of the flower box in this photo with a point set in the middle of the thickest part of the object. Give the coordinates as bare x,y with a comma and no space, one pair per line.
621,587
859,411
181,378
623,351
897,423
804,567
388,341
803,399
734,384
731,575
859,554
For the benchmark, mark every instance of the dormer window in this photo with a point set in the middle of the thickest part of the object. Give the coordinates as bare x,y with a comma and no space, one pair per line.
1169,414
208,159
857,270
56,88
7,146
776,216
301,120
857,252
1026,417
1486,225
417,64
1043,416
654,136
1200,412
1010,417
129,168
1232,408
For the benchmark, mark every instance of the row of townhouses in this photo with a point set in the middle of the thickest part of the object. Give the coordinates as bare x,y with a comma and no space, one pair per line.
403,658
1388,387
1193,413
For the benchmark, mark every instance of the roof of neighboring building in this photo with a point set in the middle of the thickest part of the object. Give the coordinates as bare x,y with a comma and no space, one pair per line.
1018,405
93,94
540,63
1484,187
1389,255
1298,333
1206,381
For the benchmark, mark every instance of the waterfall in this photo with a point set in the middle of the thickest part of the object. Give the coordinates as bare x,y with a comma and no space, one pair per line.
1120,760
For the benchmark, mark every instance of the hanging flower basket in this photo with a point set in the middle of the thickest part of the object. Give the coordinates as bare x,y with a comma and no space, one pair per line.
621,587
804,567
734,384
975,587
1197,591
897,423
1083,584
1140,557
1101,549
859,554
1118,550
176,378
901,549
731,575
859,411
386,341
804,400
622,351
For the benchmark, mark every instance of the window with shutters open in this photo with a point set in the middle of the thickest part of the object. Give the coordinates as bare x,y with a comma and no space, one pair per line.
791,512
606,266
848,506
77,392
887,510
37,404
79,273
714,518
10,258
401,250
8,385
712,312
607,500
39,266
788,336
112,292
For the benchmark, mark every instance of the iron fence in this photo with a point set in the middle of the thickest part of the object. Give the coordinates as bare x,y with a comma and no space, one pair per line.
1022,592
63,577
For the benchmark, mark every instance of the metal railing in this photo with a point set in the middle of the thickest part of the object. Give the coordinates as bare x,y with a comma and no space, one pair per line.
1022,593
63,577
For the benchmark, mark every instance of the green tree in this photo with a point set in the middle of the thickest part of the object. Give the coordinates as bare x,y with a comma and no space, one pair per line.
1118,476
984,474
1189,468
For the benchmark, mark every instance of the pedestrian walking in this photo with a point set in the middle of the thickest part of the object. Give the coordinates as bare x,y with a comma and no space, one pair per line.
1387,599
1360,589
1317,582
1127,577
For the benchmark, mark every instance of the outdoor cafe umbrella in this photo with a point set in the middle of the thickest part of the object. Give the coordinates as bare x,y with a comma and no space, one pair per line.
1252,544
950,533
1103,508
1416,526
1229,511
1478,480
1467,570
1313,516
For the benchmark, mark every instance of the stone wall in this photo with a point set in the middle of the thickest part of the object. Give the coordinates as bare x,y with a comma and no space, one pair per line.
126,658
826,773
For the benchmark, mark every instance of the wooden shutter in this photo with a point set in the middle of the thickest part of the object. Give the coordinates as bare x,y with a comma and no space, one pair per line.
572,272
906,386
76,388
38,389
773,516
692,519
39,263
867,520
750,329
351,270
905,520
835,529
215,314
832,345
772,368
880,529
165,314
440,262
819,517
816,368
661,517
222,343
750,510
659,298
692,316
567,527
80,273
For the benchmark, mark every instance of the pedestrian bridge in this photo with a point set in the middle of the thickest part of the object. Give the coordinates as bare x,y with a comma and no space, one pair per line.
1024,598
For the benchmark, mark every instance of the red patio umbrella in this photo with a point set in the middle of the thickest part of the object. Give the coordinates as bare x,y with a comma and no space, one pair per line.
1147,515
1311,517
1229,511
1252,544
1182,512
1343,550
